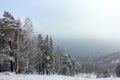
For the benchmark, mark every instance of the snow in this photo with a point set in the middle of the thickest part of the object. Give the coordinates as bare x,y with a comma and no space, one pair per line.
12,76
115,61
83,75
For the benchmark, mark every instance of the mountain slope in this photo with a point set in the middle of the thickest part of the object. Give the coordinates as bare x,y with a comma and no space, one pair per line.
111,58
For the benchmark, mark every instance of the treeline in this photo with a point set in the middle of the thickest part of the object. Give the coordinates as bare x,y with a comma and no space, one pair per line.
24,53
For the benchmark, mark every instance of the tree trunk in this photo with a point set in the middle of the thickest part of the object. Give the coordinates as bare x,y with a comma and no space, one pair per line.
11,66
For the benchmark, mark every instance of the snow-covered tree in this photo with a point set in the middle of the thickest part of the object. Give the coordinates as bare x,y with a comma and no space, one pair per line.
21,55
58,60
25,47
65,65
8,38
48,57
69,65
118,70
40,50
52,55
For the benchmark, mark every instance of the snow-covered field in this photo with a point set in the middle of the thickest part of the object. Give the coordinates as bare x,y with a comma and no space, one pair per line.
10,76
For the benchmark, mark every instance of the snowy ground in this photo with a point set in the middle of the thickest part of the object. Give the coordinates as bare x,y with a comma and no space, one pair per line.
10,76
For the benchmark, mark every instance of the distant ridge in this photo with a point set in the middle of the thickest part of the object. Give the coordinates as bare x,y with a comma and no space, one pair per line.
113,58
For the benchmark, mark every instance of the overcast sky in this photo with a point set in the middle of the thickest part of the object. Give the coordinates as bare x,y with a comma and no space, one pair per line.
80,18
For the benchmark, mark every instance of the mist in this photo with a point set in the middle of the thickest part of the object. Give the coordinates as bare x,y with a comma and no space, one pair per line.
82,27
87,47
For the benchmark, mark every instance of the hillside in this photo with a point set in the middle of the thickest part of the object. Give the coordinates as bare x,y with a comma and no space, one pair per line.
113,58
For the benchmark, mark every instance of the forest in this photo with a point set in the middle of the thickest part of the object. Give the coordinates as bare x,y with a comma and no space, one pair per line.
24,52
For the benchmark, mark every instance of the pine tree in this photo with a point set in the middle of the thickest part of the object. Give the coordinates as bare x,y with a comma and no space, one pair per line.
48,56
46,40
40,50
8,32
65,69
52,55
51,43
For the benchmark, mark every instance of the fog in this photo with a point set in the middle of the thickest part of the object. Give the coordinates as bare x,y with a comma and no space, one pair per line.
87,47
82,27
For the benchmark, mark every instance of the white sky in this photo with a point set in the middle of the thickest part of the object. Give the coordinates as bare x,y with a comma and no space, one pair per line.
88,18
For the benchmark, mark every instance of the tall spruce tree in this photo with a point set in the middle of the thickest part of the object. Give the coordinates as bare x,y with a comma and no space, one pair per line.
40,49
52,55
48,57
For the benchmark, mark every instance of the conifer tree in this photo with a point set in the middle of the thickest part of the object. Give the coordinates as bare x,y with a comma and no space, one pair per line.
40,49
8,32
